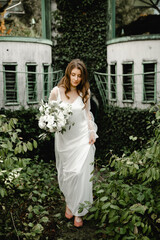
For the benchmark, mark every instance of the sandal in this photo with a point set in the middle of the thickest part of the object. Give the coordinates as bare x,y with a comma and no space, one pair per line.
67,215
79,223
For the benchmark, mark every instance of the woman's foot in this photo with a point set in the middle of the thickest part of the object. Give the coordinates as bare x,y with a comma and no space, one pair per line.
68,213
78,222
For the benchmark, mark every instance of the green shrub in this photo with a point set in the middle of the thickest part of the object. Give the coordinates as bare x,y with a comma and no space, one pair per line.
28,123
127,193
28,187
116,125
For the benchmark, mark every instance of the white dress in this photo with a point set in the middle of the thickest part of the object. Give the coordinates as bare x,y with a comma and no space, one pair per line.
75,157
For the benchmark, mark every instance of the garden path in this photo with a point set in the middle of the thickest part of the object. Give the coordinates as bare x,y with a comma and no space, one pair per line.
65,230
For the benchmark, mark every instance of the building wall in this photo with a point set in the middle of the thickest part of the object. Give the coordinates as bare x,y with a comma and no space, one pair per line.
138,49
22,51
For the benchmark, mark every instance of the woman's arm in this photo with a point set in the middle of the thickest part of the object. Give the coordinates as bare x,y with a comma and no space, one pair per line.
53,94
92,127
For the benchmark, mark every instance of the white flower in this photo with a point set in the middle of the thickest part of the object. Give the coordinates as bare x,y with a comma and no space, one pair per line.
55,116
60,116
53,103
50,123
12,175
41,109
48,110
42,122
63,105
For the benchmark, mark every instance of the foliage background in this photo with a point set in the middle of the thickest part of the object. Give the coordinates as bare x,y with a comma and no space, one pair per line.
124,122
126,13
81,33
126,190
21,24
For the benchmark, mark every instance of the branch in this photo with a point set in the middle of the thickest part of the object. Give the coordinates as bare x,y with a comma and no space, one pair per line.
143,1
157,2
152,4
2,9
14,225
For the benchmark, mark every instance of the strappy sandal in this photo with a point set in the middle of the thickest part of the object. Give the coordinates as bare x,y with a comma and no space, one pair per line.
78,224
67,215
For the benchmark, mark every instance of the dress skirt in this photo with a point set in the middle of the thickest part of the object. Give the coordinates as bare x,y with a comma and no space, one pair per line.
75,160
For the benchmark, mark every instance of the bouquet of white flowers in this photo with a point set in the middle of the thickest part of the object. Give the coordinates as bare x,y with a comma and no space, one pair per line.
55,116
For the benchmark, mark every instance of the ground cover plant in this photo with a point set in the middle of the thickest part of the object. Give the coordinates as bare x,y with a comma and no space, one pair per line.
28,187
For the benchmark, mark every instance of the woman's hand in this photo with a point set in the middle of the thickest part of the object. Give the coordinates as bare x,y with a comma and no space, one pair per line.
92,138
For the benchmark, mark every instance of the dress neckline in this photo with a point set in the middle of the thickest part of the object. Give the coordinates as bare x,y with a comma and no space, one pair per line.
66,101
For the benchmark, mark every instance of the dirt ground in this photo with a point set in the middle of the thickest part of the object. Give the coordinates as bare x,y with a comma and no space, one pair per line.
63,229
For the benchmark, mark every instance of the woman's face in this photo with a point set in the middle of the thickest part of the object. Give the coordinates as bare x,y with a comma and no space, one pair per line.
75,77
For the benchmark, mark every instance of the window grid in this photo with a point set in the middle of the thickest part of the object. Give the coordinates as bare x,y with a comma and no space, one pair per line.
45,81
10,83
128,82
32,83
149,82
113,82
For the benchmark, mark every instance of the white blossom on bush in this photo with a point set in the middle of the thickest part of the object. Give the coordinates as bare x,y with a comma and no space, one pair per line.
15,173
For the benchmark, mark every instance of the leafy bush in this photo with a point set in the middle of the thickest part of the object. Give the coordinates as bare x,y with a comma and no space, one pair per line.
28,123
27,187
116,125
127,193
11,149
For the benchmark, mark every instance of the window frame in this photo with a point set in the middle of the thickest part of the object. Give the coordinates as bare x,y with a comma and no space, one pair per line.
155,82
59,74
16,83
132,82
28,100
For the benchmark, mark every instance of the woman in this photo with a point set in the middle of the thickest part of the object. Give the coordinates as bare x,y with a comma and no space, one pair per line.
74,149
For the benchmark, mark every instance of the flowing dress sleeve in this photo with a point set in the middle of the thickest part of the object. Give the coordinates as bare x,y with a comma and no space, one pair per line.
54,94
92,127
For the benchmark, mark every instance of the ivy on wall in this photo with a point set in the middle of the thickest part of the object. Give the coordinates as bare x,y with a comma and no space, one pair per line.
81,33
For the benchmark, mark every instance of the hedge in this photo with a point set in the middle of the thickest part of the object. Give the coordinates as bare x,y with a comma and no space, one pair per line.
115,126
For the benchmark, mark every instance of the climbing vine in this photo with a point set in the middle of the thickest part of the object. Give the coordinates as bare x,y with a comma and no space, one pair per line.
80,28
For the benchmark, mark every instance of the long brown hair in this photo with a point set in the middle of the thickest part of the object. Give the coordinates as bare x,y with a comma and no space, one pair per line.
83,86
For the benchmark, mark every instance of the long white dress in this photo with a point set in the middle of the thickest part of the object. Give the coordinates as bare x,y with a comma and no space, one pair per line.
75,157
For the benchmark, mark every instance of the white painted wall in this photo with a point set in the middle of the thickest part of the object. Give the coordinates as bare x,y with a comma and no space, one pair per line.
22,51
136,49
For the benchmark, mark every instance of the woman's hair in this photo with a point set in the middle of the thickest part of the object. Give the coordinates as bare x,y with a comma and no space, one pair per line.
83,86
